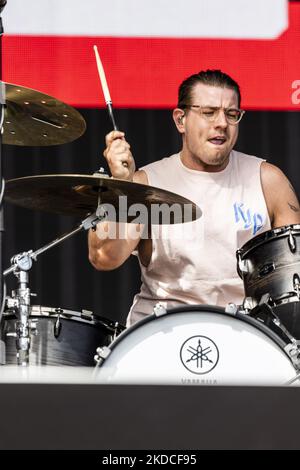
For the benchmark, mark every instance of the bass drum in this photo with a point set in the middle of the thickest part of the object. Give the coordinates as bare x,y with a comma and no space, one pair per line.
62,337
197,345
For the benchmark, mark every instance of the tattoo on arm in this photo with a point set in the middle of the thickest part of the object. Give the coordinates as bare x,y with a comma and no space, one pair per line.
294,208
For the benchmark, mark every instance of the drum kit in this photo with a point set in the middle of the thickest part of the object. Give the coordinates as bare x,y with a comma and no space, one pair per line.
256,342
253,343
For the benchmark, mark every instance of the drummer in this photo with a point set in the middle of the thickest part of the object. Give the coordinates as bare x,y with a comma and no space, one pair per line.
240,196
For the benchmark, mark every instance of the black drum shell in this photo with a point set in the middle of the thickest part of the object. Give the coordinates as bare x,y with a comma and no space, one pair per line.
289,315
60,340
273,261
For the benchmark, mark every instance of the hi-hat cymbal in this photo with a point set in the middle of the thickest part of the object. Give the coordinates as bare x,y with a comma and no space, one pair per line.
80,195
33,118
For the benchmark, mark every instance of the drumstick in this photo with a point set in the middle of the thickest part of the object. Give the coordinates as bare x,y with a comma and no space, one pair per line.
105,89
106,93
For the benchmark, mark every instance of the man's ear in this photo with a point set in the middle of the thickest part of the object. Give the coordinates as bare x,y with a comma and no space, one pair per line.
178,116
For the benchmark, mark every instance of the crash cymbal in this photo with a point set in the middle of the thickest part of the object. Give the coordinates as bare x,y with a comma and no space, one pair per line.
80,195
33,118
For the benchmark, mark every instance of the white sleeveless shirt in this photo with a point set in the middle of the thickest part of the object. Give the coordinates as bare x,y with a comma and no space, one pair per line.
195,262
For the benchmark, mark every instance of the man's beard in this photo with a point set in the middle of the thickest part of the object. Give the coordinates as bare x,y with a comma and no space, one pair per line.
218,160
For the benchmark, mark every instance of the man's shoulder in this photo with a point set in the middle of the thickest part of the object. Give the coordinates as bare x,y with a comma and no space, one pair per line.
162,163
241,156
245,163
271,173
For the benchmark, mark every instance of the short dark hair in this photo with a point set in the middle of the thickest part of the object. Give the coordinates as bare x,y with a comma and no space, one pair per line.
207,77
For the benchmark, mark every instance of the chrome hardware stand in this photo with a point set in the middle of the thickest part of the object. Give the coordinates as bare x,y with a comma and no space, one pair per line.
291,348
20,302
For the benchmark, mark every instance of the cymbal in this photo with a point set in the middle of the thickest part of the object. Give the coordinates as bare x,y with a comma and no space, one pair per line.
80,195
33,118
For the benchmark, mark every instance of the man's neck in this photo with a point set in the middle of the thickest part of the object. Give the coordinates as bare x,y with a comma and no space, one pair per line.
195,163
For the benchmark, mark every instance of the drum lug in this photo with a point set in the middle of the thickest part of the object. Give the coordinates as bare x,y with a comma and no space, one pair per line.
87,315
243,264
296,282
292,242
266,299
293,351
248,304
57,327
115,327
33,327
231,308
159,310
102,354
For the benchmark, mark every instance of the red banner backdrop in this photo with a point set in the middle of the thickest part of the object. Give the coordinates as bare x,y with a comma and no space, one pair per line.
145,72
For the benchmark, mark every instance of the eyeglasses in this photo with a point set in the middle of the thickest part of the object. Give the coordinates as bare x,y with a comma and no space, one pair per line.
210,113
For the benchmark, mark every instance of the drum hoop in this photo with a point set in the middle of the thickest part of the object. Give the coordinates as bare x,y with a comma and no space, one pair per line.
41,311
268,236
206,308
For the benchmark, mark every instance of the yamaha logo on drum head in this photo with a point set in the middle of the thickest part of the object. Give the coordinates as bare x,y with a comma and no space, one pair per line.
199,354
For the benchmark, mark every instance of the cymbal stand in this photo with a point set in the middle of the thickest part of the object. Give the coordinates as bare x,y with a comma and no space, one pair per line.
20,301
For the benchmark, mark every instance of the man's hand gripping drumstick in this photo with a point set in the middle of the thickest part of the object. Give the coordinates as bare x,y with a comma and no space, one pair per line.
117,152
